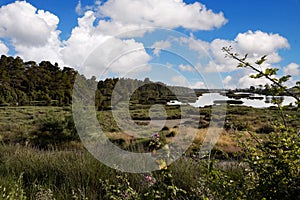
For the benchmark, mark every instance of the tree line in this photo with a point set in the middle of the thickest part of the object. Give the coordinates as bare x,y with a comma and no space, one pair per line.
28,83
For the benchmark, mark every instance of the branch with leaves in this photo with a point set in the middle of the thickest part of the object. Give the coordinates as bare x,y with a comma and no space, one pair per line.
267,73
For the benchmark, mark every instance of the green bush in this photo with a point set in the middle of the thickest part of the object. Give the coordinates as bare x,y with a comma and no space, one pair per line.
52,132
266,128
274,167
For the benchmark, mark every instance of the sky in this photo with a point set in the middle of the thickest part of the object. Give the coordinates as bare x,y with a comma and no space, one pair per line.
174,41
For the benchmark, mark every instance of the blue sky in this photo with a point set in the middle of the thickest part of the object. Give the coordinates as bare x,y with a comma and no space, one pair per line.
72,33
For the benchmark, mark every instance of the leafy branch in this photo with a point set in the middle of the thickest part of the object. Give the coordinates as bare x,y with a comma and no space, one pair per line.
268,73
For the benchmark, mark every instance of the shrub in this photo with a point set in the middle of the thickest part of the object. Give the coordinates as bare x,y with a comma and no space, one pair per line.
53,132
274,167
266,128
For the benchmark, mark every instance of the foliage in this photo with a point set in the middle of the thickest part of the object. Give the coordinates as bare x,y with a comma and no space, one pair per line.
13,190
53,132
137,92
274,167
28,83
121,191
273,170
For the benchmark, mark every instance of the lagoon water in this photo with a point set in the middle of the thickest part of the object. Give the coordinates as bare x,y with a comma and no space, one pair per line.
207,99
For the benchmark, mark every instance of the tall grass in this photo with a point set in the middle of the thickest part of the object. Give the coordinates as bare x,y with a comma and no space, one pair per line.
76,174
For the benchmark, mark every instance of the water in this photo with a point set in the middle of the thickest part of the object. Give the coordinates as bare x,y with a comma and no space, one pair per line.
207,99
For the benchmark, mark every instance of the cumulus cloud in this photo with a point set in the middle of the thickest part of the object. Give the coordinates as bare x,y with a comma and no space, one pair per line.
119,29
292,69
34,36
255,44
33,32
260,42
218,62
150,13
3,48
98,52
49,51
26,25
186,68
160,45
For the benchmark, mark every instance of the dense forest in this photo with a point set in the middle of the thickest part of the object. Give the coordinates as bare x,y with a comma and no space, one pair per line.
28,83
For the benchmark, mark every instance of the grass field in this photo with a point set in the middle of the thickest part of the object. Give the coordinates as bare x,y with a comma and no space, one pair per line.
65,170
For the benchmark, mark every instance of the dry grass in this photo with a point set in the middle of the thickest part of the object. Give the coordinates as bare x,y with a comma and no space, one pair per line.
227,140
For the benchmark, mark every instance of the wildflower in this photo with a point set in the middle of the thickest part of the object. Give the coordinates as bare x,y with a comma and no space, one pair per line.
150,180
156,136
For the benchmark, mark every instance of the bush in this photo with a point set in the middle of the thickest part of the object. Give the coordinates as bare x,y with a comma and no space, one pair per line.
54,132
274,167
266,128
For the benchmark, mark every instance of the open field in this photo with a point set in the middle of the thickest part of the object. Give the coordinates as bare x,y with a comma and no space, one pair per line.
41,156
20,124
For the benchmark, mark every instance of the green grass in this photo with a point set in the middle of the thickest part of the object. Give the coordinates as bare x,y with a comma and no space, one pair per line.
67,172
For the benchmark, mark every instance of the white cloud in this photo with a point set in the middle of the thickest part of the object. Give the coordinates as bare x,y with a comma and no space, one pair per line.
292,69
119,29
150,13
78,8
3,48
227,80
179,81
198,85
169,65
255,44
34,36
182,81
26,25
199,46
260,42
218,62
135,17
79,45
49,51
186,68
159,45
33,32
98,52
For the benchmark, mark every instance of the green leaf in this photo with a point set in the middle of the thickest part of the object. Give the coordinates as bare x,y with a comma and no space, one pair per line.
271,71
284,79
243,59
262,60
240,65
